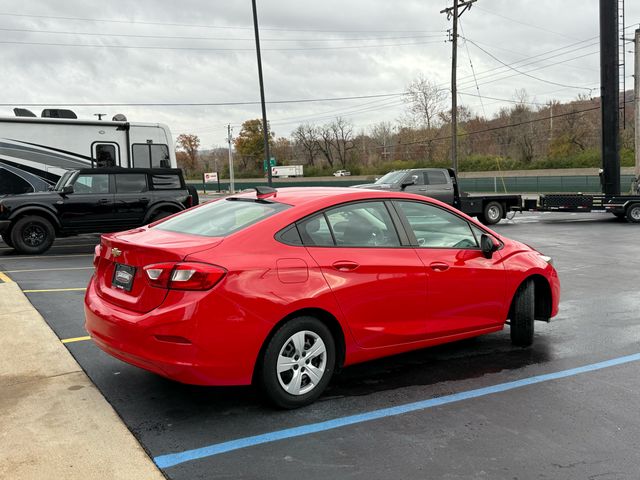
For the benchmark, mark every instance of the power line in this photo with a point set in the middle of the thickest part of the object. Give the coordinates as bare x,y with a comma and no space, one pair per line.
173,37
141,47
525,23
193,25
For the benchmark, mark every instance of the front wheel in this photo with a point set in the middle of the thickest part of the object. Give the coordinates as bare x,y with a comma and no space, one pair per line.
32,234
523,315
492,213
633,213
298,363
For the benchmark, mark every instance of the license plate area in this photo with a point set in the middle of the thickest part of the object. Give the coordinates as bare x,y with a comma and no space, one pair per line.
123,276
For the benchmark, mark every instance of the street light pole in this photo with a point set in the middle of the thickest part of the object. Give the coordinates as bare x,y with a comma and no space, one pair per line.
265,126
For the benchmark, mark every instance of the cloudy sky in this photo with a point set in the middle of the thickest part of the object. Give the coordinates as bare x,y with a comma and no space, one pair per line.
75,53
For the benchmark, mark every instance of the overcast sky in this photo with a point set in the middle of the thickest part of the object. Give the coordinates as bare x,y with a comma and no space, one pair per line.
201,51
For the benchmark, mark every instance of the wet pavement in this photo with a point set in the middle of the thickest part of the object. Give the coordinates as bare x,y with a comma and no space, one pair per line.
581,426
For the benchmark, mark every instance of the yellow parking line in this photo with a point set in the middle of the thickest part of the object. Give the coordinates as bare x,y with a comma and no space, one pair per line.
5,278
47,290
48,269
76,339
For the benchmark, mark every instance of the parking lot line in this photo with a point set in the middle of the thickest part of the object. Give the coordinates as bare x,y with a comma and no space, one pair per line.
173,459
75,339
40,257
53,290
5,278
48,269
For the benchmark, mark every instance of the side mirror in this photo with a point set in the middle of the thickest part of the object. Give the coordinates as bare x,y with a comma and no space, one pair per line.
67,189
487,246
408,182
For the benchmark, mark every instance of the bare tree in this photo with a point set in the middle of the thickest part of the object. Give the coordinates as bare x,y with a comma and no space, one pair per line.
426,100
343,141
325,143
306,138
382,134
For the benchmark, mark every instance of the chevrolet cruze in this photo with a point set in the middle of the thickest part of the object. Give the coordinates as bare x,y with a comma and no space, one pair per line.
281,288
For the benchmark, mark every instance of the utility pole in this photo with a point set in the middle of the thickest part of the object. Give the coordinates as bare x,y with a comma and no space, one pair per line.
636,104
459,7
232,186
610,96
265,125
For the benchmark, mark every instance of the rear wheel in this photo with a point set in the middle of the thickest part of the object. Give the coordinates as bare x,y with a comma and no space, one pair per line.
523,315
492,213
633,213
298,363
32,234
160,215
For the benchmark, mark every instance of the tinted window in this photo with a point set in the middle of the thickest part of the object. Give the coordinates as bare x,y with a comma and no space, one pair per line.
131,183
91,183
221,218
436,178
366,224
141,155
166,182
150,155
290,236
437,228
106,155
12,183
315,231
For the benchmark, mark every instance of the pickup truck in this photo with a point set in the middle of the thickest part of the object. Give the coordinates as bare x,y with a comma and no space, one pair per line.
92,201
442,184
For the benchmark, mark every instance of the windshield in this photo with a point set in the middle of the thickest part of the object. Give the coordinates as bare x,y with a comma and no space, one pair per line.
64,179
222,217
391,178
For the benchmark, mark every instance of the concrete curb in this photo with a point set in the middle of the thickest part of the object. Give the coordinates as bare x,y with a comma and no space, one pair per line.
55,422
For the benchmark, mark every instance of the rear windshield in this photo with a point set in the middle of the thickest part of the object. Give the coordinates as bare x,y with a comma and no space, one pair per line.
221,218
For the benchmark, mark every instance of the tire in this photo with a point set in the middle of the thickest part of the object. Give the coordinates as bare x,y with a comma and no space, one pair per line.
6,238
294,387
633,213
492,213
523,315
160,215
32,234
194,195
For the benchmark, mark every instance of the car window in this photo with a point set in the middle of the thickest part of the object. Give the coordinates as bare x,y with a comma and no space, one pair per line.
365,224
435,227
315,231
221,218
166,182
91,183
131,183
436,178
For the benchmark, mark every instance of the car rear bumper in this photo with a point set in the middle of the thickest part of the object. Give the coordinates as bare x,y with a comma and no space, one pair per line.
165,341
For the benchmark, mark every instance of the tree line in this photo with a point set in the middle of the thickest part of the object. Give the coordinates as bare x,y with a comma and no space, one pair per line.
523,135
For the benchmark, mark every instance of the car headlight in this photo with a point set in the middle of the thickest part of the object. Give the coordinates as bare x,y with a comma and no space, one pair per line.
547,259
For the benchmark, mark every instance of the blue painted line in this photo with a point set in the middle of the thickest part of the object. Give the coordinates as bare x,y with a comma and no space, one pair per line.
173,459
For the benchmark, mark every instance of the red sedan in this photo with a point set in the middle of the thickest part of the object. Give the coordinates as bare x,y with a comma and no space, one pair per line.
281,288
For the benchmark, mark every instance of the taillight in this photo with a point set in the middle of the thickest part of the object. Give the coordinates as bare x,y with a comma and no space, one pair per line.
184,276
96,256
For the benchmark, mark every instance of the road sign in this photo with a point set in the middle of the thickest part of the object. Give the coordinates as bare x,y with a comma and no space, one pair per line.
272,163
211,177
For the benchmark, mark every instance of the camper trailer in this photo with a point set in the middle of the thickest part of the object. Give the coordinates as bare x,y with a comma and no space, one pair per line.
36,151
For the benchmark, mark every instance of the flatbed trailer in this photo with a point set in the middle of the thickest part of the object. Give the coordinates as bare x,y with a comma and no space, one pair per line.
622,206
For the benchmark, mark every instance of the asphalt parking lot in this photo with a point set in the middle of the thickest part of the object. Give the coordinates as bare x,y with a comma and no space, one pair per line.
565,408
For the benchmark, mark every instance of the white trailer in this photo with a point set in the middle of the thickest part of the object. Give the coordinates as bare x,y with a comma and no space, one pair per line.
35,152
288,171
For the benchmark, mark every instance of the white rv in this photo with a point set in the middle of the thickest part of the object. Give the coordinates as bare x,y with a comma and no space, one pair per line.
35,152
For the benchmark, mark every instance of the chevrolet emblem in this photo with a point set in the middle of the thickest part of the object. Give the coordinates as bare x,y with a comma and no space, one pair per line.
116,252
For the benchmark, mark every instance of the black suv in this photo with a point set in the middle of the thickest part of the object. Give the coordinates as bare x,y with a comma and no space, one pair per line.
92,200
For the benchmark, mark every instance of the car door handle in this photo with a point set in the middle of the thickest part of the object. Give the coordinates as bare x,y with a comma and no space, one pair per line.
144,199
103,200
422,189
439,266
344,266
